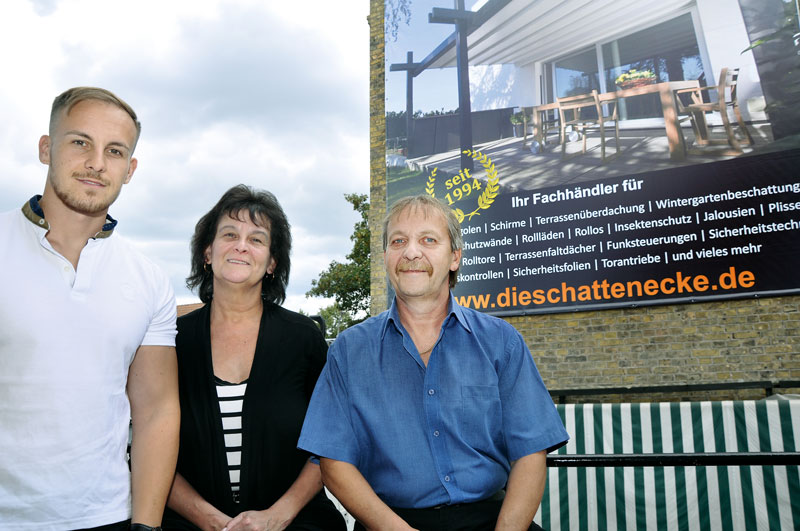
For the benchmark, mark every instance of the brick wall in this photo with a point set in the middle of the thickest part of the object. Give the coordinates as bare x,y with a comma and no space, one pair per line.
714,342
377,154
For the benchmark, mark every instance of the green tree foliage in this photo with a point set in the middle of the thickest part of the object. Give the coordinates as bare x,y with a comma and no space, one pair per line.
397,12
335,319
348,283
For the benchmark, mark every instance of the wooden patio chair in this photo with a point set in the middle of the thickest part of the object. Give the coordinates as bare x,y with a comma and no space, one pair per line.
572,106
550,120
726,98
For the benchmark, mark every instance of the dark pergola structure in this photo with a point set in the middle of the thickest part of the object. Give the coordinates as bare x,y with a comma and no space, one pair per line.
410,69
462,20
465,23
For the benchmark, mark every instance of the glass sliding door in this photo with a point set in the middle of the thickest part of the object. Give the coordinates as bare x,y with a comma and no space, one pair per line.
577,74
665,52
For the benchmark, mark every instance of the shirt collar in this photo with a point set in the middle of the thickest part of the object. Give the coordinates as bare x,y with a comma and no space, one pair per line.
454,310
458,312
32,210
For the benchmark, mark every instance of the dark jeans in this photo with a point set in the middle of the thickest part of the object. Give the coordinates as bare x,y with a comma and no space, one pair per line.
478,516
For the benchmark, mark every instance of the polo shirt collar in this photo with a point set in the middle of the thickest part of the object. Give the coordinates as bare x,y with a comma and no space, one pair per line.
34,213
453,309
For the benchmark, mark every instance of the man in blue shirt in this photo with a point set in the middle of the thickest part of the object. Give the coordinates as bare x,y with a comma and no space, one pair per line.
431,415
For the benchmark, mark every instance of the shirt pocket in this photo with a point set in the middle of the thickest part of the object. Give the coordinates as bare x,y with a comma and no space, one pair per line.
481,419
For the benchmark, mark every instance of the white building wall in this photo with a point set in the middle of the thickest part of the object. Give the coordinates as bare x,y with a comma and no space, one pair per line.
527,93
492,86
501,86
724,37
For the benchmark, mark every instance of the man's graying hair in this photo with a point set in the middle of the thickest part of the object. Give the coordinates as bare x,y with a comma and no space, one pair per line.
427,204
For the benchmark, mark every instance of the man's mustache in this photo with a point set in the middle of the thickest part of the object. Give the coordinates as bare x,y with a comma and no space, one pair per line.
415,265
92,176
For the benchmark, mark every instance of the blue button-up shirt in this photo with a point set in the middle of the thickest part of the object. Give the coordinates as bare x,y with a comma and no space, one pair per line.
445,433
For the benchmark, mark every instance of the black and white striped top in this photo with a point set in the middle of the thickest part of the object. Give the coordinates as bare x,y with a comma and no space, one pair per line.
231,397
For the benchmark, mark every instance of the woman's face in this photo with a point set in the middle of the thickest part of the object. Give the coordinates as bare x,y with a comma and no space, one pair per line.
239,253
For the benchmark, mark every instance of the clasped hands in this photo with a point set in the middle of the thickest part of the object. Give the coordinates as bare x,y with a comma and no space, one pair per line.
267,520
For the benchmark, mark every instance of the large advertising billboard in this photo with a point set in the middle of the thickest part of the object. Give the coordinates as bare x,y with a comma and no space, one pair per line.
610,158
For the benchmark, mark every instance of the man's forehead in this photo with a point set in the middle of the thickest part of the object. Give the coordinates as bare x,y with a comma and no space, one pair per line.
434,219
95,105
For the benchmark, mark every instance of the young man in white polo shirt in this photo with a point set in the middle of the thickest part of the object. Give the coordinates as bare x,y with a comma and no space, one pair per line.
87,335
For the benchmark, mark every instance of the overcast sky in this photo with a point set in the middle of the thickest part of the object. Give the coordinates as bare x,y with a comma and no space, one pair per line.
270,94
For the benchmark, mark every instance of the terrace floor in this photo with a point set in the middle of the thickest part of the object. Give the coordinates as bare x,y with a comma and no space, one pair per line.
641,151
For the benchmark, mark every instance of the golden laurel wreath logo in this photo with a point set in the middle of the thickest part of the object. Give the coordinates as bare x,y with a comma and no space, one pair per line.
490,190
431,182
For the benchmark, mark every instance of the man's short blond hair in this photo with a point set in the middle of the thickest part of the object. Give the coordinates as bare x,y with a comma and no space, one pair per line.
71,97
427,204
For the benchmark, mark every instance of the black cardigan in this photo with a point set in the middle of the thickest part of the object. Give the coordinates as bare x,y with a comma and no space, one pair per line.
289,355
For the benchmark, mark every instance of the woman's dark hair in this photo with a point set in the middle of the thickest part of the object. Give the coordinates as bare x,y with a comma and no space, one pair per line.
263,207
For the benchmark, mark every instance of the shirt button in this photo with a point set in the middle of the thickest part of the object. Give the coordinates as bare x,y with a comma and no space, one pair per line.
66,269
41,222
447,478
436,433
431,392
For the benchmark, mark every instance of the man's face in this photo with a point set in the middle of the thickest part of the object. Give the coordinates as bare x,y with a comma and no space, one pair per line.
418,257
89,156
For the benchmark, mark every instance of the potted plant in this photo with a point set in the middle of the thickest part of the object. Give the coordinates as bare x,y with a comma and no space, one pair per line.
635,78
517,119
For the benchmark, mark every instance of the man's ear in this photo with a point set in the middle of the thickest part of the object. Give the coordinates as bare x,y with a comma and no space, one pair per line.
44,149
131,168
456,260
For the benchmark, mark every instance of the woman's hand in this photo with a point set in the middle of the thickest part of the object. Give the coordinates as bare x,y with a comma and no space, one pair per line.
184,500
268,520
216,522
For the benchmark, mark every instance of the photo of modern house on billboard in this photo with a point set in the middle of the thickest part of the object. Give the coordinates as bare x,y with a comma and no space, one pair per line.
614,141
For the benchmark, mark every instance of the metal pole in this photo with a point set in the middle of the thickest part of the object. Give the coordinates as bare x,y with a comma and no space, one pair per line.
464,107
409,103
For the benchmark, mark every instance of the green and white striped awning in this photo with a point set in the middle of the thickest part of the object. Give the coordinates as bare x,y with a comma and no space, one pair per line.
685,498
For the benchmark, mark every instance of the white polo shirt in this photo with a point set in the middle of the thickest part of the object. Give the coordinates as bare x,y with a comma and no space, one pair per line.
67,339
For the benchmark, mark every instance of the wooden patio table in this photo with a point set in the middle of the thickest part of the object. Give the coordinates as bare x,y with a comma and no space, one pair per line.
666,92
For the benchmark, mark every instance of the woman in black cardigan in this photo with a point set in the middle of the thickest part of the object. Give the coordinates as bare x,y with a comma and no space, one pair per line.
247,368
